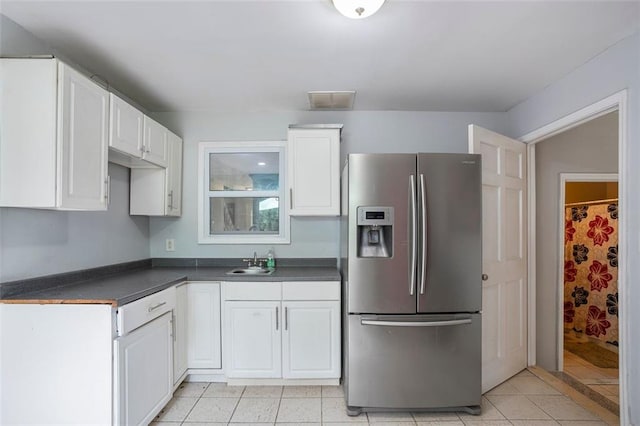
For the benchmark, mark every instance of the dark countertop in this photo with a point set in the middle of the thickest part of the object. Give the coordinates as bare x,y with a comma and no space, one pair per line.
120,289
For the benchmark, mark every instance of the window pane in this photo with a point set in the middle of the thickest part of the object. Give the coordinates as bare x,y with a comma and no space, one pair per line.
253,171
244,215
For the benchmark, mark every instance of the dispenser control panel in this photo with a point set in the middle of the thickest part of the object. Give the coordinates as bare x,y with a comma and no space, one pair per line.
375,216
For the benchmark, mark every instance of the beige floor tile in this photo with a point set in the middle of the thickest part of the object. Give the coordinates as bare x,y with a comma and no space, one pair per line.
505,388
193,389
534,422
154,423
524,373
176,410
489,412
531,385
436,416
561,408
517,407
332,392
380,417
221,390
441,423
301,410
212,410
393,423
487,423
302,392
206,424
257,410
581,423
248,424
335,410
262,392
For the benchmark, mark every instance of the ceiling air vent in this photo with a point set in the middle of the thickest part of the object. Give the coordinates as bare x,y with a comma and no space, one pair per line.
324,100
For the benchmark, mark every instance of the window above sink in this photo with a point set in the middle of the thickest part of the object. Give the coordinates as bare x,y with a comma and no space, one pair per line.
241,194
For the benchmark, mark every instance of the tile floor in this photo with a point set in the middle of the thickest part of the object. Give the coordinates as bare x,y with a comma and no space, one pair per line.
524,400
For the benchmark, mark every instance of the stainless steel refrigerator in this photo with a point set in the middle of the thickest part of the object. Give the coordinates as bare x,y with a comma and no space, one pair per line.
412,281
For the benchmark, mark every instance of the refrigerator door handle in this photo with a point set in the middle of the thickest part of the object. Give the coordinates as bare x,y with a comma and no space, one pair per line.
414,235
423,202
416,323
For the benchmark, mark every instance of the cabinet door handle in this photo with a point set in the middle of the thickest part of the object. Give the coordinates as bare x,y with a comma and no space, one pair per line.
153,308
277,321
107,196
290,198
171,199
286,318
173,326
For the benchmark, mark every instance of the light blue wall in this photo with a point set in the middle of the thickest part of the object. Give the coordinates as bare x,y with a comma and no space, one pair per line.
42,242
615,69
364,131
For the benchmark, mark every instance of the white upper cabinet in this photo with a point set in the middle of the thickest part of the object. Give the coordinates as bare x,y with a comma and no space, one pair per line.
155,142
53,137
125,134
158,191
314,170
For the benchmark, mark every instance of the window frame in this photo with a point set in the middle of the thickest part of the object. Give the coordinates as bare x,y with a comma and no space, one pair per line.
241,147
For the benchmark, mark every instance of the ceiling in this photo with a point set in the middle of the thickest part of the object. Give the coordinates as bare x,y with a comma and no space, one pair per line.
265,55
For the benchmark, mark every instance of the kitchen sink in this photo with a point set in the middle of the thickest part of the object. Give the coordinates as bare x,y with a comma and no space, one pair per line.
250,271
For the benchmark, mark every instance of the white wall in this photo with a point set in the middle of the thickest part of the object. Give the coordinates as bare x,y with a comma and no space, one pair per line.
42,242
589,148
364,131
615,69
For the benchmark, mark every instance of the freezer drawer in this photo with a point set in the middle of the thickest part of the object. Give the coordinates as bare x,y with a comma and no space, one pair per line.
413,362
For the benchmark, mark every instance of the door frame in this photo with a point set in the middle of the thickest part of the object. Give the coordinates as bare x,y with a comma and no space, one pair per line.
615,102
564,178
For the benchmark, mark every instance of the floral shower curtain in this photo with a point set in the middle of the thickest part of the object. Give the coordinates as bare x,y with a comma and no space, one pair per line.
591,271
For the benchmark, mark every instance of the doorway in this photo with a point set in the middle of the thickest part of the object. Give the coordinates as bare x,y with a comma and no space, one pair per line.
588,286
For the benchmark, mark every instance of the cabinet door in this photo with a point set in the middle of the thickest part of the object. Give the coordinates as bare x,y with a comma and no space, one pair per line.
252,339
203,325
82,139
314,172
311,340
174,176
180,333
155,142
143,369
125,127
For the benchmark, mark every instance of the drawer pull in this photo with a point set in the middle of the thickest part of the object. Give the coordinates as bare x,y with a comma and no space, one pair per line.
153,308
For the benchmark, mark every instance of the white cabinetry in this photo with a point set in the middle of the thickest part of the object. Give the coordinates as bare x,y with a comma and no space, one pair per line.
287,330
253,338
314,170
311,339
203,325
180,315
143,368
158,192
125,135
155,142
53,137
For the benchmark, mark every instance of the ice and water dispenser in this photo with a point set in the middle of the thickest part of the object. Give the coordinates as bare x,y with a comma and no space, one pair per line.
375,231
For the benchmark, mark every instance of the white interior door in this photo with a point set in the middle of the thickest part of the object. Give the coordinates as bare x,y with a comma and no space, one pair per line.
504,257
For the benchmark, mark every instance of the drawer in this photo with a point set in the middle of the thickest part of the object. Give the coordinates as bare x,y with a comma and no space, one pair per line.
140,312
252,290
311,290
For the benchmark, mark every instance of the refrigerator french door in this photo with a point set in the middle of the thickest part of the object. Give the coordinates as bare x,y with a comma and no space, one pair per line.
412,281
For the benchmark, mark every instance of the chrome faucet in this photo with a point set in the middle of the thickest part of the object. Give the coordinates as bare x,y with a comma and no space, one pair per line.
255,261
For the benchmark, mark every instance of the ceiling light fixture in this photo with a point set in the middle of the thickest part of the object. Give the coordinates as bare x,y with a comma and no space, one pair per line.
357,9
262,163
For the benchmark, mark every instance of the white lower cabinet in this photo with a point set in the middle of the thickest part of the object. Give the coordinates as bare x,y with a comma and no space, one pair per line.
297,338
311,339
144,371
203,325
252,339
180,329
